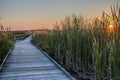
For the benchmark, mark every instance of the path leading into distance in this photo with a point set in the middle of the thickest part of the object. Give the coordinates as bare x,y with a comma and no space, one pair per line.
26,62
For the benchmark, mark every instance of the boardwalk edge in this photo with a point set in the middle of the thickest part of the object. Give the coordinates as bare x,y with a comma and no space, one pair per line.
2,64
59,66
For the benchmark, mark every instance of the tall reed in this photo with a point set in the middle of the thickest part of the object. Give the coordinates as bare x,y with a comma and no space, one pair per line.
89,49
6,41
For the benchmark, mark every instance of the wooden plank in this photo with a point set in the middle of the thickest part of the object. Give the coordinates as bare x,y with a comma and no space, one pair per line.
36,77
26,62
30,69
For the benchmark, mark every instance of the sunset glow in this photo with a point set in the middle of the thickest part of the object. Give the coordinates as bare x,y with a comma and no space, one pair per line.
36,14
110,28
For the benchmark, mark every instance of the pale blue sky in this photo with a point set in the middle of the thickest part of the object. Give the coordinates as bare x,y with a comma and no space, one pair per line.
33,14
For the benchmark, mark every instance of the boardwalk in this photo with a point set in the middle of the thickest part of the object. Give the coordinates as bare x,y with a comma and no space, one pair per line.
26,62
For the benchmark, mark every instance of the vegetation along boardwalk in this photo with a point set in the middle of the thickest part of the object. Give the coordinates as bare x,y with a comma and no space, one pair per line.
26,62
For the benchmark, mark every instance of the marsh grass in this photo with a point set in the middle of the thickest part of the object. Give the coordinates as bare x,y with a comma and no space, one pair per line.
86,48
6,42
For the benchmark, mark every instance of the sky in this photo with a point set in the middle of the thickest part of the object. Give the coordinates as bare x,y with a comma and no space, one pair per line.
37,14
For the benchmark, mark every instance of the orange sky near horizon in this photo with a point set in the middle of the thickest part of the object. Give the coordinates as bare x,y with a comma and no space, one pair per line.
37,14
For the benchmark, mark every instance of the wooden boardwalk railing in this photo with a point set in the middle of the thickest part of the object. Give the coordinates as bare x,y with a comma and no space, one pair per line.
26,62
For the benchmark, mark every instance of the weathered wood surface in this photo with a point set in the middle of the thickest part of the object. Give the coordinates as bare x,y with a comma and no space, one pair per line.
26,62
